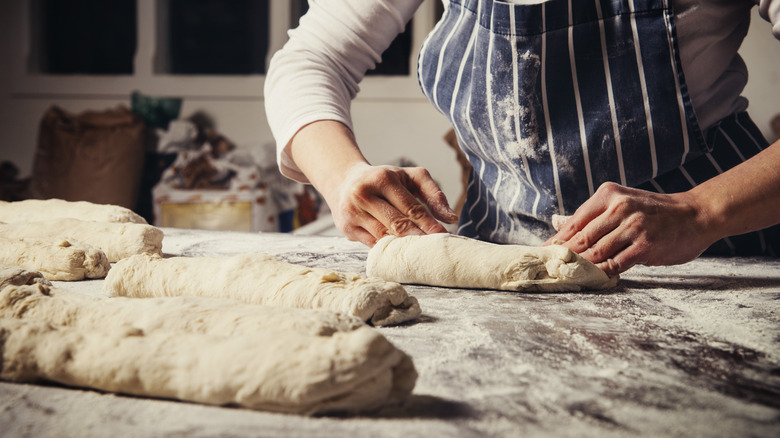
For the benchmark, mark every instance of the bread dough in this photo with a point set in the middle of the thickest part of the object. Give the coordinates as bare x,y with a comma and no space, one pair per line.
117,240
455,261
263,279
352,371
35,210
56,259
559,221
189,314
200,349
15,276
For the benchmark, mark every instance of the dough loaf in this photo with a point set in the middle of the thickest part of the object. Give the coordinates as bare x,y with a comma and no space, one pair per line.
352,371
221,352
455,261
36,210
187,314
55,259
14,276
263,279
117,240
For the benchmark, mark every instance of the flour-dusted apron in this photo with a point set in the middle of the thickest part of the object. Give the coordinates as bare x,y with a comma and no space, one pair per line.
551,100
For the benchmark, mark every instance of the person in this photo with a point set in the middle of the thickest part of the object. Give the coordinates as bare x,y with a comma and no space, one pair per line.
624,114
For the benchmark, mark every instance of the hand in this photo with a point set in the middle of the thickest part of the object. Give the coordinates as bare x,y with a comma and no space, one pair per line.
619,227
374,201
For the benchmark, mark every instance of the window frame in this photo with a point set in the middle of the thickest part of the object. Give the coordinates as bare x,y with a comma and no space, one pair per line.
148,64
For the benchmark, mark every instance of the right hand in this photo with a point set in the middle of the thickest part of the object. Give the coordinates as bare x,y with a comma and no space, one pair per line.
374,201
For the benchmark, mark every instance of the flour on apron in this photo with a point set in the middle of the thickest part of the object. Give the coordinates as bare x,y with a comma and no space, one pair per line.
551,100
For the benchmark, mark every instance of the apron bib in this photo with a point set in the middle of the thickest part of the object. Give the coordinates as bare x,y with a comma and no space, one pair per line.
551,100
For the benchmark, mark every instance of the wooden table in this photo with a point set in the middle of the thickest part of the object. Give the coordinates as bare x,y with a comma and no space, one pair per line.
690,350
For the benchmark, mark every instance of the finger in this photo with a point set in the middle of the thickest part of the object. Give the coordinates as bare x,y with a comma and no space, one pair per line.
621,262
373,226
365,229
389,220
594,207
575,224
358,225
358,234
422,186
607,247
410,208
610,267
592,233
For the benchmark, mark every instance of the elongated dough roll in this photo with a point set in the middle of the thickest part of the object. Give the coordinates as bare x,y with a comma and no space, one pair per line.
36,210
117,240
263,279
187,314
15,276
455,261
66,260
353,371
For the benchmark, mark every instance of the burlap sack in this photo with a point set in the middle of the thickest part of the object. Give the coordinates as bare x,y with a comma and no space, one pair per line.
93,156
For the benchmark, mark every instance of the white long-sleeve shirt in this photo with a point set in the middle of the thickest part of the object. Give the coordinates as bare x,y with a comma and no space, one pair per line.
316,75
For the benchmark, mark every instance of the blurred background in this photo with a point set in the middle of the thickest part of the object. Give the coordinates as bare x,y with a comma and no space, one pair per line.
158,105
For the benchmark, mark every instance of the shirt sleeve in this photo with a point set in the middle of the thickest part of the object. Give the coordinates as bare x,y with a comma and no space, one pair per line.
316,74
770,11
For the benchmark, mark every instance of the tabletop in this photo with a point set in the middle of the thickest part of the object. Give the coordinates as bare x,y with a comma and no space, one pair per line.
689,350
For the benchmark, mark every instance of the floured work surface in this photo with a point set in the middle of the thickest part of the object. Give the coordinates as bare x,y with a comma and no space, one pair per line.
685,350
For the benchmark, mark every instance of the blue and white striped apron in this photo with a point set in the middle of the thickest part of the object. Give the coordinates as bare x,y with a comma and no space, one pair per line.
551,100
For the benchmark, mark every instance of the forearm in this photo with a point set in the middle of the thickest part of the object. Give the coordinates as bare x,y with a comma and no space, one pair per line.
770,11
325,151
316,74
367,202
743,199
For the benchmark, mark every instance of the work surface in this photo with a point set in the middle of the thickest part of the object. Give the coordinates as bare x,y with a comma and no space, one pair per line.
692,350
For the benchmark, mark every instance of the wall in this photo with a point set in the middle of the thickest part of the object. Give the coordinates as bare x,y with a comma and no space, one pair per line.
761,53
392,119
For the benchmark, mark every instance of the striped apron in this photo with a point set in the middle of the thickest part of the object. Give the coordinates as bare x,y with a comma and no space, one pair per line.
551,100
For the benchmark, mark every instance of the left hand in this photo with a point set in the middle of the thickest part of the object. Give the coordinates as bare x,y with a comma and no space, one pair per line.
619,227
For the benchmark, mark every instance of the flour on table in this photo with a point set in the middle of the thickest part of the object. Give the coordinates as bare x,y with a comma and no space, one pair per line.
263,279
117,240
56,259
455,261
35,210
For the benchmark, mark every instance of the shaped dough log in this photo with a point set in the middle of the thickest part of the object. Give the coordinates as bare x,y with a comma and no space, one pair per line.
14,276
55,259
188,314
117,240
263,279
455,261
36,210
274,370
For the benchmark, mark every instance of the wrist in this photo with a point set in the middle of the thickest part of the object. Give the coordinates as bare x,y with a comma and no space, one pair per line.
709,214
326,152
